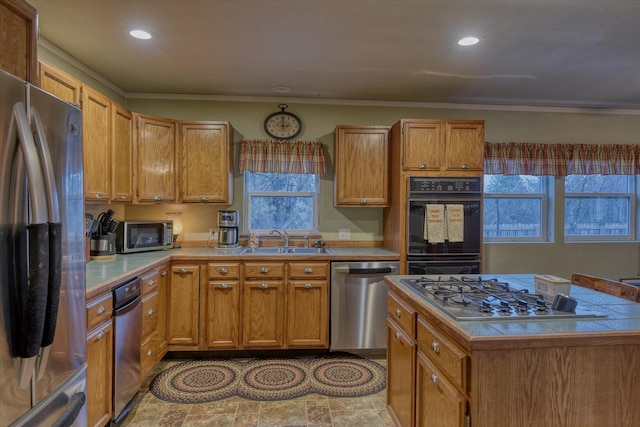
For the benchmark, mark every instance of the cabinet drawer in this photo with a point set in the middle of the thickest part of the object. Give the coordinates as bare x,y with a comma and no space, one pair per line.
402,314
263,269
149,282
149,354
150,305
309,269
99,310
223,270
444,353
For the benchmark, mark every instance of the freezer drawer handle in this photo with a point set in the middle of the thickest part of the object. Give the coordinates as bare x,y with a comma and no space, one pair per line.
71,413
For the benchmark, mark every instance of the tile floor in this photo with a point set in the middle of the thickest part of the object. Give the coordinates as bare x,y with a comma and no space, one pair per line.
312,410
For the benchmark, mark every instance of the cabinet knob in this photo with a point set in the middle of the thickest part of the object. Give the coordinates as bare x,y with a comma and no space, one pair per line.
308,270
422,165
151,282
98,196
149,353
204,199
363,201
224,286
123,197
163,273
223,270
101,309
434,379
264,270
308,285
398,312
182,270
397,335
100,335
464,166
435,347
264,286
150,312
157,198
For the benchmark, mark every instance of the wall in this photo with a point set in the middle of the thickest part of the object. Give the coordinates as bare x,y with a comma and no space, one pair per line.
614,260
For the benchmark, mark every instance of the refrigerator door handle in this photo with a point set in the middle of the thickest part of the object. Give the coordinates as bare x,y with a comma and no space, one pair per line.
55,243
33,316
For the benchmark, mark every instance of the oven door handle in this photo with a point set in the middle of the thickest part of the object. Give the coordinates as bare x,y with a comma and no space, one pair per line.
446,200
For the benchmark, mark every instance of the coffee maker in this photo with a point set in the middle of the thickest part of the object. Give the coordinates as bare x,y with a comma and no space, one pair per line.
228,229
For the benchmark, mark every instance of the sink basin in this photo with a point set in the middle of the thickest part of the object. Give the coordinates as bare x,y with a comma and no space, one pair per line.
275,250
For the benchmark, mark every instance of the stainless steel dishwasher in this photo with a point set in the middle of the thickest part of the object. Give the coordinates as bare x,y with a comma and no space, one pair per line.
359,305
127,319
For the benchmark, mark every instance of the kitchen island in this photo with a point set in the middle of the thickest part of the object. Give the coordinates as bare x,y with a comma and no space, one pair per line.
542,372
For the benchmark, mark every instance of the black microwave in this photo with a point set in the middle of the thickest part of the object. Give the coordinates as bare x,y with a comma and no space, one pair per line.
140,236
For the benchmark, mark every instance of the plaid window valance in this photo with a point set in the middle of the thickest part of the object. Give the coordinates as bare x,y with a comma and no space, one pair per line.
524,158
296,157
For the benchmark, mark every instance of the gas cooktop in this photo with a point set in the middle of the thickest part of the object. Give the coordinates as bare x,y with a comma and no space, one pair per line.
477,298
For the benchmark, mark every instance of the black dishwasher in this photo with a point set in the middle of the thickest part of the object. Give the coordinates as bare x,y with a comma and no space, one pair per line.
127,312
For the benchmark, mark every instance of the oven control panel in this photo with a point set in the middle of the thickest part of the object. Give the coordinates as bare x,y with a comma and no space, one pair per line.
420,184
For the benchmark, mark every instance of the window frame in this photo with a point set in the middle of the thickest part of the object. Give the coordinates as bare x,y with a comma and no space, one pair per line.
546,205
633,220
315,195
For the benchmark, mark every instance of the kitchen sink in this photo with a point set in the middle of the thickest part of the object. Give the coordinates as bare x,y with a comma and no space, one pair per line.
275,250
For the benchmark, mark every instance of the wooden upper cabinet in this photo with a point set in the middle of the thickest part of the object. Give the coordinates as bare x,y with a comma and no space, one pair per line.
59,83
96,146
207,159
465,145
122,154
156,165
19,39
361,166
439,145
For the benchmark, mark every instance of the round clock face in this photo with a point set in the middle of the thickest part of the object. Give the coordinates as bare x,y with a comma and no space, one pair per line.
282,125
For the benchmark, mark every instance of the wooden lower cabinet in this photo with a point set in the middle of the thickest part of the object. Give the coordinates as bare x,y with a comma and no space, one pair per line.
99,360
308,305
263,314
221,310
401,355
184,303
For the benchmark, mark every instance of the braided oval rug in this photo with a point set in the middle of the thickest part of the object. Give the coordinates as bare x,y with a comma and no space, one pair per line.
334,374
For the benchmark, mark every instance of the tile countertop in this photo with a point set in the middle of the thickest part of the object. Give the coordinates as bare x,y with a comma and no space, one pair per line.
103,274
622,317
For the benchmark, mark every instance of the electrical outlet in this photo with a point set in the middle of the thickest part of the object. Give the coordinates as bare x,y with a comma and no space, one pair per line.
211,230
344,234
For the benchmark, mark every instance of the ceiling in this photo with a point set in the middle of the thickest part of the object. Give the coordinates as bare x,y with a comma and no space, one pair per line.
559,53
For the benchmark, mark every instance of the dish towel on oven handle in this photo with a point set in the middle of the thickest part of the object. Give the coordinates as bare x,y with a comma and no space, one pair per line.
435,230
455,222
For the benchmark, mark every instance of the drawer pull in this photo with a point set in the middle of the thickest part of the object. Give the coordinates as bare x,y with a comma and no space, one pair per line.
264,286
149,353
308,285
151,282
434,379
157,198
100,335
422,166
101,309
464,166
182,270
398,312
123,197
308,270
224,286
98,196
223,270
363,201
264,270
204,199
150,312
435,347
163,273
397,335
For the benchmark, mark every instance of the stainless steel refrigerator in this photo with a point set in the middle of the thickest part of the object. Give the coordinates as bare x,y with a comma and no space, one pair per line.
42,287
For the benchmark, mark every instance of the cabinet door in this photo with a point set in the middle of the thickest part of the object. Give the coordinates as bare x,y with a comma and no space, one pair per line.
207,152
438,403
263,314
183,306
122,154
465,146
96,145
308,313
221,314
361,166
19,39
401,356
156,151
59,84
423,145
99,374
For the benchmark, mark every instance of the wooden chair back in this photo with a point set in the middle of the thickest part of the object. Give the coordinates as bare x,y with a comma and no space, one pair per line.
607,286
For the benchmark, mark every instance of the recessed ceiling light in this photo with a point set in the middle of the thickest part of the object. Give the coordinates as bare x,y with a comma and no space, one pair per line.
140,34
281,89
468,41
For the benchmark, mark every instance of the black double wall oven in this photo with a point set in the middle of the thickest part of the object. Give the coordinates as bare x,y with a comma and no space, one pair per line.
460,255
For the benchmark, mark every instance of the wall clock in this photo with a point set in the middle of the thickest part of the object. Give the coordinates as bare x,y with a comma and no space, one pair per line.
283,125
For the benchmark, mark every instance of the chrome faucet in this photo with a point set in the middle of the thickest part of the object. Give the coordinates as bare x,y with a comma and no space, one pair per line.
283,234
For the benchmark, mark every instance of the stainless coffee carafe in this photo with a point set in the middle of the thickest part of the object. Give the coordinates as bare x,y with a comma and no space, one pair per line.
228,229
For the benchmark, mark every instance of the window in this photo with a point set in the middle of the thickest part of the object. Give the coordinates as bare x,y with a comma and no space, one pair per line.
515,208
280,200
599,207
